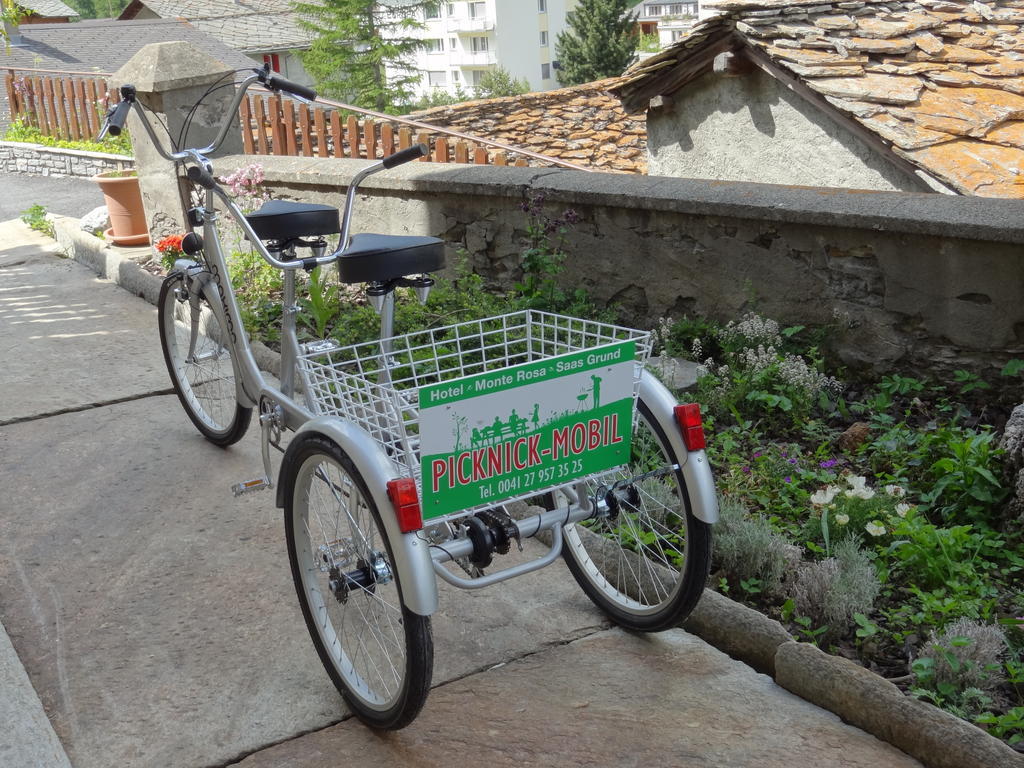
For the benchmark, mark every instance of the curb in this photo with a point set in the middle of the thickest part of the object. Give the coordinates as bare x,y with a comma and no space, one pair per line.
853,693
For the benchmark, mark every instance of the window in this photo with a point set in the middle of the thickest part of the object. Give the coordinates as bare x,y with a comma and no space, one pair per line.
542,6
432,12
543,38
437,79
451,9
273,60
654,10
545,71
455,75
478,75
435,45
477,10
478,44
675,9
690,9
452,43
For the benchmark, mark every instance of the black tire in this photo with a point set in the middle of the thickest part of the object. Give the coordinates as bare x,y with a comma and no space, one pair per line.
337,556
647,566
205,382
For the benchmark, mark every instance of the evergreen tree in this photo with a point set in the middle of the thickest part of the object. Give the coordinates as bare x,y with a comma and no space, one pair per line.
600,41
499,82
363,52
98,9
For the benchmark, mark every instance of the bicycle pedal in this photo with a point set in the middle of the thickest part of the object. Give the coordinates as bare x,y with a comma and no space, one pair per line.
250,486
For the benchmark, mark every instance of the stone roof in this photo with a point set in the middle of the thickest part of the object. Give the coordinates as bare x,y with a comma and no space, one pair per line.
582,124
939,84
245,25
48,8
103,45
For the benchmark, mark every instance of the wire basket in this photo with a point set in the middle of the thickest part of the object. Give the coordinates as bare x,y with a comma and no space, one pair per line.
376,384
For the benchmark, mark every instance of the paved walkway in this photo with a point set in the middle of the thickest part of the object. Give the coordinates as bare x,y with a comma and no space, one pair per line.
156,621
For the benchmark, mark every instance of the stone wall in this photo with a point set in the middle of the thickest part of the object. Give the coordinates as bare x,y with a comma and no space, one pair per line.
37,160
926,282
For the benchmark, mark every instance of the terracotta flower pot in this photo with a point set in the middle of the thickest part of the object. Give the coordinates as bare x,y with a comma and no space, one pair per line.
124,204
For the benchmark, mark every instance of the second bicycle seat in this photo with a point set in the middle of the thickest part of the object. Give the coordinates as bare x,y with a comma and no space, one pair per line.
285,220
379,258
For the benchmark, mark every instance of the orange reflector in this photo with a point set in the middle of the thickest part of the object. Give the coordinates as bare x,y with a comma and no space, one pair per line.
402,492
690,424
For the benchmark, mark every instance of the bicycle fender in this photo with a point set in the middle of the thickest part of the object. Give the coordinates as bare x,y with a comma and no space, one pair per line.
411,552
694,464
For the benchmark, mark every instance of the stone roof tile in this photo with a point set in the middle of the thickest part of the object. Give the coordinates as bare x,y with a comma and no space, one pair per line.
583,124
941,82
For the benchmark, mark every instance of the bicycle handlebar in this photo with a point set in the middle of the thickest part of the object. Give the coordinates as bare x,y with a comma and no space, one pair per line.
276,83
414,152
201,177
118,114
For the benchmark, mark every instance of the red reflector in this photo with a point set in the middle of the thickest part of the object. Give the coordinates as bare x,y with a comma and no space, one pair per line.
691,426
402,492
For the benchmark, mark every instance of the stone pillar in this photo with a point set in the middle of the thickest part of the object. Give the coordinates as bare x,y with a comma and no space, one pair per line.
169,79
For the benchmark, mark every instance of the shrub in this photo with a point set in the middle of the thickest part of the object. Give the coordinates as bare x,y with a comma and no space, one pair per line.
747,547
965,655
832,590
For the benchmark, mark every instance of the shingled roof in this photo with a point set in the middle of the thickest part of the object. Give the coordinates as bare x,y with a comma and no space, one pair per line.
103,45
939,84
582,124
245,25
48,8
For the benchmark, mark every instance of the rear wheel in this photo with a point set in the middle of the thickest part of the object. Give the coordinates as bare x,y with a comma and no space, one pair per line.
646,564
197,357
378,653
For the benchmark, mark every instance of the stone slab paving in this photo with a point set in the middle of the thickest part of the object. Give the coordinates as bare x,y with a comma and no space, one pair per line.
155,613
609,699
69,339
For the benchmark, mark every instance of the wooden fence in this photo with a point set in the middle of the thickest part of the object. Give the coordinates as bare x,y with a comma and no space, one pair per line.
272,125
70,106
67,106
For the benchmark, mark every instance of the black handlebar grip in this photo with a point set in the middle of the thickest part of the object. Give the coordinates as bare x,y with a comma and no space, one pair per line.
276,83
117,117
201,177
414,152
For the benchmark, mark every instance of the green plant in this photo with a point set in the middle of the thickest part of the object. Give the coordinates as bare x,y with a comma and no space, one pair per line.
22,130
649,43
757,379
36,219
1008,725
965,655
967,485
322,305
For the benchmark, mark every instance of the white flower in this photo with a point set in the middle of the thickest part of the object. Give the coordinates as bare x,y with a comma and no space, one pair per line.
902,509
896,490
859,489
842,519
825,495
875,528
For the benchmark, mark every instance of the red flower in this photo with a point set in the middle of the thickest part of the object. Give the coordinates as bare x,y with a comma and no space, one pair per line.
170,243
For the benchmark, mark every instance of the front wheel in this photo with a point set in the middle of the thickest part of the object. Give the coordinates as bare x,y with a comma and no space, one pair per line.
197,355
645,564
378,653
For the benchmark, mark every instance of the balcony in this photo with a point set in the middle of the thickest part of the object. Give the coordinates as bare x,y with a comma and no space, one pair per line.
473,59
463,26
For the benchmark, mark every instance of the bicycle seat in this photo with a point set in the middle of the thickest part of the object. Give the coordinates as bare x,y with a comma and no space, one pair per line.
284,220
378,258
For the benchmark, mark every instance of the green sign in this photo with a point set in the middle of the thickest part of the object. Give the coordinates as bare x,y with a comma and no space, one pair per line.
505,433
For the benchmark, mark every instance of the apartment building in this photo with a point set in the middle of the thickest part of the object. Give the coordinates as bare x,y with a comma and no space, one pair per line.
668,20
467,38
